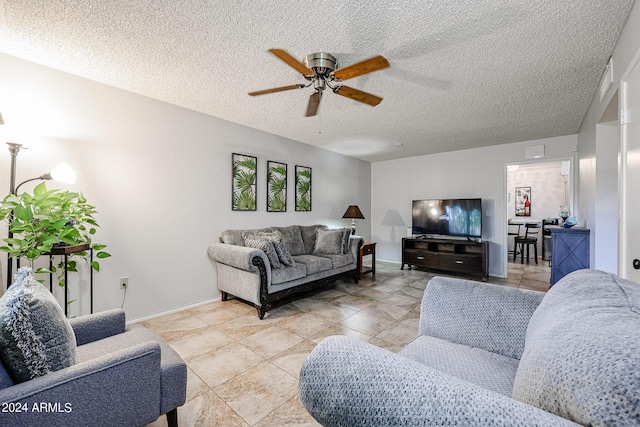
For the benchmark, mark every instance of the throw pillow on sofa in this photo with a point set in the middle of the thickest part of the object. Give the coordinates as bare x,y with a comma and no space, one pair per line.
266,246
284,256
35,336
346,241
331,242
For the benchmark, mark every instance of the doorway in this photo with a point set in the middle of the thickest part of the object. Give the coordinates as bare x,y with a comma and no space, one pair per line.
546,188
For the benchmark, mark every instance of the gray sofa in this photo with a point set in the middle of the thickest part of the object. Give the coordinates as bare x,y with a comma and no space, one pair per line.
249,274
489,355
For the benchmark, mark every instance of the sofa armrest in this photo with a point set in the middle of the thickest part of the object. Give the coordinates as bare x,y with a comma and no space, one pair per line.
123,387
356,242
94,327
237,256
490,317
345,382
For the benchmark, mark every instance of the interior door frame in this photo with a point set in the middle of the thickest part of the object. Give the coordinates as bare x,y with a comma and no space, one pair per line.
623,186
572,198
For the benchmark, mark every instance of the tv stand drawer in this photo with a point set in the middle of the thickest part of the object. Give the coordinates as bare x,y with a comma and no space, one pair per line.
421,259
461,263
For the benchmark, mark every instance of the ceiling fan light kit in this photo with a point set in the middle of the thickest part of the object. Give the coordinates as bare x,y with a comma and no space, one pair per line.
321,69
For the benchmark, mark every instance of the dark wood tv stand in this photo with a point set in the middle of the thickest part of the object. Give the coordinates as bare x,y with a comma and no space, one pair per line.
451,255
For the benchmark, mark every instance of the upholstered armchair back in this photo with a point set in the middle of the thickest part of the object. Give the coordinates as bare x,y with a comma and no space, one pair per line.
582,352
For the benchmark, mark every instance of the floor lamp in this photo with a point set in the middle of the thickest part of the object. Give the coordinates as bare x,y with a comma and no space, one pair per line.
62,173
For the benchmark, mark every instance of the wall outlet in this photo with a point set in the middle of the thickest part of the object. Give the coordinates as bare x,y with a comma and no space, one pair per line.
124,282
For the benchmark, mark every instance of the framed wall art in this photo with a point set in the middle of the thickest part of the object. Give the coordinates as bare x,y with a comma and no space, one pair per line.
276,187
523,201
243,184
303,188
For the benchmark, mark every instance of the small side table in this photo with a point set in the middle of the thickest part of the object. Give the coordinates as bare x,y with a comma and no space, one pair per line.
369,248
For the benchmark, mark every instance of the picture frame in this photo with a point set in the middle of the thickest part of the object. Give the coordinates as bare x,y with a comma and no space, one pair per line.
244,169
523,201
276,186
303,188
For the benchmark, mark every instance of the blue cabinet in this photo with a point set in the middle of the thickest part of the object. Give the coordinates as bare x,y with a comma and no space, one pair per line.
570,249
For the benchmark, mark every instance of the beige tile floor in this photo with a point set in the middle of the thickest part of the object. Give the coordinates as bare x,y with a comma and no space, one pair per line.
243,371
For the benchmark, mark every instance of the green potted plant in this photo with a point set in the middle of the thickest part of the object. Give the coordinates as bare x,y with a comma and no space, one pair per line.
46,219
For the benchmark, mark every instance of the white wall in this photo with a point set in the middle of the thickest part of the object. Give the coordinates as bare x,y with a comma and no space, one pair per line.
478,172
598,149
160,176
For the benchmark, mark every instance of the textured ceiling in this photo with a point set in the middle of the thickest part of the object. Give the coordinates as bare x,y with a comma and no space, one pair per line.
463,74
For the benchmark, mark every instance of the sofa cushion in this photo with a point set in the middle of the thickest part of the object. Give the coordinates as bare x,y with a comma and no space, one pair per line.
286,274
267,233
329,242
292,239
308,233
582,351
266,246
340,260
236,237
35,336
478,366
232,237
314,264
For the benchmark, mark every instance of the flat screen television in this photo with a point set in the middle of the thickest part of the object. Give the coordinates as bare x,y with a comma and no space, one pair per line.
448,217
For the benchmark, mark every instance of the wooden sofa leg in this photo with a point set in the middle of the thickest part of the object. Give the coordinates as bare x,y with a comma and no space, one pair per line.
224,296
261,311
172,418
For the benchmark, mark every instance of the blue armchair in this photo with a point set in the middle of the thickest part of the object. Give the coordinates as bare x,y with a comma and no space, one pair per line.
122,377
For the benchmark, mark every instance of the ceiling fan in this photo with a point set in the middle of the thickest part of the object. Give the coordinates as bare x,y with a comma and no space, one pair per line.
321,69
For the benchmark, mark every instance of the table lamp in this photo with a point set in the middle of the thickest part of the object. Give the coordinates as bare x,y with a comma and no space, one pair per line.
353,212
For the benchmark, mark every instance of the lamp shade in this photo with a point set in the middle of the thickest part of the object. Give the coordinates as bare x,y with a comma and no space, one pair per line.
63,173
353,212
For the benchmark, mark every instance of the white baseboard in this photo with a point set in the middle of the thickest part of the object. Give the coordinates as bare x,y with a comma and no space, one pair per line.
175,310
389,261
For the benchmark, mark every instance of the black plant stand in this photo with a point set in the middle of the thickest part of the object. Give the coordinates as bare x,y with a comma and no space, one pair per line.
65,251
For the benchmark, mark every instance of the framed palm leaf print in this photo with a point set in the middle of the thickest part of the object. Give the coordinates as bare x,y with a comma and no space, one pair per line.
303,188
243,184
276,187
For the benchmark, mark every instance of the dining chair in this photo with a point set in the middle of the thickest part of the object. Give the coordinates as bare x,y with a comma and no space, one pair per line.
529,238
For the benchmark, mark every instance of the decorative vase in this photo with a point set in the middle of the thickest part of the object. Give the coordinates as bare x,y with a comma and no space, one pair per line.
565,212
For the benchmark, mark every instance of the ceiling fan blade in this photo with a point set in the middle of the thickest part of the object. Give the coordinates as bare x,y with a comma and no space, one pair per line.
276,89
314,102
368,66
292,62
358,95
